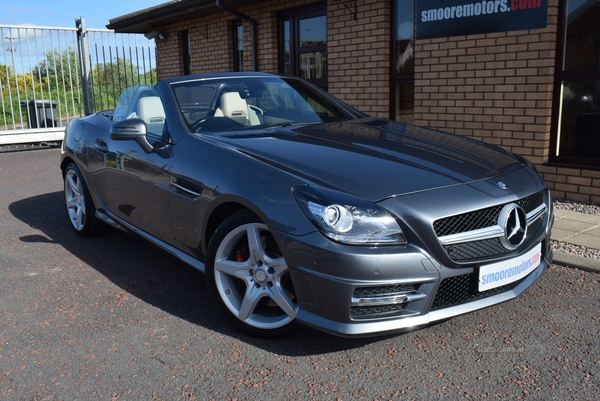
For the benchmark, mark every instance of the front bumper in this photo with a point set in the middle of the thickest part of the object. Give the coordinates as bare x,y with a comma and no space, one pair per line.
416,290
360,329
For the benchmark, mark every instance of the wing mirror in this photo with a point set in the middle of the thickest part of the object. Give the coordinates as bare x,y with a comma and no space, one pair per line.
131,129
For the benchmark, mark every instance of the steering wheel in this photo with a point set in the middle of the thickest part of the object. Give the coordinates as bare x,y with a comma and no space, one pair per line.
196,125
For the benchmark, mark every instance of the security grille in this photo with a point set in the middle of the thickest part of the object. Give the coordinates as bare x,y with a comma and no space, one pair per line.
51,75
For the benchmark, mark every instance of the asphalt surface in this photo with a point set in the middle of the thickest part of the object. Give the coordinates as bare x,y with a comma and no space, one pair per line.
113,318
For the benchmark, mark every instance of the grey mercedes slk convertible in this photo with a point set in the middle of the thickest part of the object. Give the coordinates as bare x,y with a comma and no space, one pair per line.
302,210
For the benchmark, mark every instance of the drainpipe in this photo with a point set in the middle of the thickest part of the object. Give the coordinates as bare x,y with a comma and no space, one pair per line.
221,4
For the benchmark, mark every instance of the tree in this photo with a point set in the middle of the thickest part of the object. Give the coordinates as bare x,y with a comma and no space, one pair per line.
14,88
57,78
59,69
110,79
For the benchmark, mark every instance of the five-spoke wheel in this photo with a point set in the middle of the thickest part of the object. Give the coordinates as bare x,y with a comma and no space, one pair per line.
80,207
249,276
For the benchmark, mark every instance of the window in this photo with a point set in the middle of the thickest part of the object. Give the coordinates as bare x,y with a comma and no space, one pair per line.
403,77
238,46
303,43
576,124
186,50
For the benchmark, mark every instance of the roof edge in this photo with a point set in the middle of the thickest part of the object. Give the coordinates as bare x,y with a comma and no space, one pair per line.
142,21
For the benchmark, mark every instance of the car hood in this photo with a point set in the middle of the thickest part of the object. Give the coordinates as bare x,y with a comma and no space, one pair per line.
373,158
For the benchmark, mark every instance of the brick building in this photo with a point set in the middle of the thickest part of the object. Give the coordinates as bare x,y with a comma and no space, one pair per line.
534,91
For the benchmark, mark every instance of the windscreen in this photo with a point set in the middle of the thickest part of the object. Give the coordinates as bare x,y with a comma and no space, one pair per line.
249,102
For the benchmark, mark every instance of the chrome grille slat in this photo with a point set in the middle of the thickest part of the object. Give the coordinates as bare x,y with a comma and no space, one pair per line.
486,249
383,301
482,218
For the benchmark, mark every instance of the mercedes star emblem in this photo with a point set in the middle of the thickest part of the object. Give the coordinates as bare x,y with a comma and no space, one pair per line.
514,220
501,185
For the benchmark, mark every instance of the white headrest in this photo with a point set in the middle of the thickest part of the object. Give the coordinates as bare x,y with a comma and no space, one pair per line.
234,107
150,109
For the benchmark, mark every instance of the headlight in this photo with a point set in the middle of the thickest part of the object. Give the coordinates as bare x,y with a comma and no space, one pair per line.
348,219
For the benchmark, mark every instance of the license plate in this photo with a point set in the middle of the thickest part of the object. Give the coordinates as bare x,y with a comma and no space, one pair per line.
509,271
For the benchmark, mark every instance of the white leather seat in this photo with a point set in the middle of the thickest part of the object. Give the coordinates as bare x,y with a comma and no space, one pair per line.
150,109
236,108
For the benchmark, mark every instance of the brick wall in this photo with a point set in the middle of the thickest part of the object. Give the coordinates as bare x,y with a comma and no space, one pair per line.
211,44
359,55
498,88
494,87
358,50
211,40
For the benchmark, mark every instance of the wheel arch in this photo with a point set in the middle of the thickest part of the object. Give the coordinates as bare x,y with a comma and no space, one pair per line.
65,162
226,206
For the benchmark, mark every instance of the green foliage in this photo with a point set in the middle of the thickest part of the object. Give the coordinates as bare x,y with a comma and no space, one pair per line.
110,79
14,89
59,69
57,77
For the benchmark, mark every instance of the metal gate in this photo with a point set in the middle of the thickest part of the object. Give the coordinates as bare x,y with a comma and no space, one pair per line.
51,75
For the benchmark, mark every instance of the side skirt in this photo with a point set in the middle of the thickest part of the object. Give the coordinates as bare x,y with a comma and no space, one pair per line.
116,222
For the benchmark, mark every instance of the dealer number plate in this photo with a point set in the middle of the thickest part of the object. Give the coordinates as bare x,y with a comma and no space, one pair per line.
509,271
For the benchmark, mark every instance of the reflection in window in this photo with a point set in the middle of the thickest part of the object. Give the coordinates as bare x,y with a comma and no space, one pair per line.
303,43
186,50
312,31
405,29
404,61
286,47
405,104
314,65
238,34
582,44
579,117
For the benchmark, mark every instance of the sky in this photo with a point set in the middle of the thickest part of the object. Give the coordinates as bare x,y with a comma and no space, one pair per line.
62,13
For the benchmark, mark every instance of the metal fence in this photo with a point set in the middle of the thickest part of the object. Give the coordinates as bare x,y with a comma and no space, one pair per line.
50,75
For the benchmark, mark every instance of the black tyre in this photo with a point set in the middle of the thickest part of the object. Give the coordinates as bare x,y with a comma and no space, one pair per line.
80,208
248,276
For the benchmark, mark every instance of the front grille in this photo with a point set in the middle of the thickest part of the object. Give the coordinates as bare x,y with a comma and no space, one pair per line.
487,249
372,312
482,218
461,289
477,251
367,292
468,221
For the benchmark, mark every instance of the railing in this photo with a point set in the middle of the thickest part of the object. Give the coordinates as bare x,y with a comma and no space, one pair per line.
50,75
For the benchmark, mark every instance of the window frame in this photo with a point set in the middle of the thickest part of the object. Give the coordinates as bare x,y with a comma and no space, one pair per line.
186,52
397,80
238,63
561,75
294,15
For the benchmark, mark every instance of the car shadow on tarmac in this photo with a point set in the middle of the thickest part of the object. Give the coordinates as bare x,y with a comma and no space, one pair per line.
157,278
